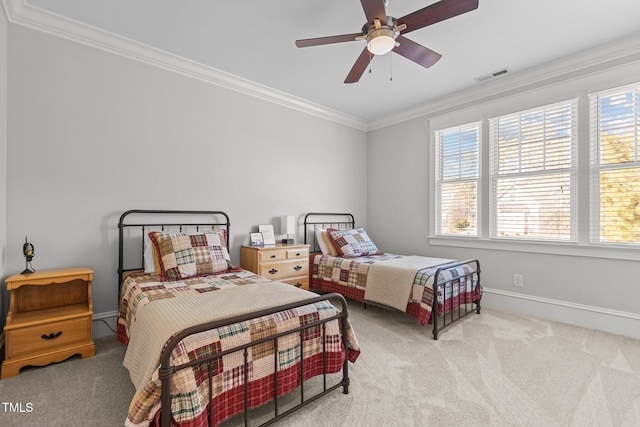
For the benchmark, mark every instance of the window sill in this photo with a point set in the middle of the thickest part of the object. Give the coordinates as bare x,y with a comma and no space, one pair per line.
568,249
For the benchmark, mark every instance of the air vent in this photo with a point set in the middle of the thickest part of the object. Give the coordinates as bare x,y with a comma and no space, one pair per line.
492,75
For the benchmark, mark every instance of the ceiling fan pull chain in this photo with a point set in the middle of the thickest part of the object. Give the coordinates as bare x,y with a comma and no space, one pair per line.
390,68
370,60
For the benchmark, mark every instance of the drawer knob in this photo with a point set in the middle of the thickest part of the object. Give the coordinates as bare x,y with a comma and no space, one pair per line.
51,336
273,271
297,268
298,285
273,256
298,254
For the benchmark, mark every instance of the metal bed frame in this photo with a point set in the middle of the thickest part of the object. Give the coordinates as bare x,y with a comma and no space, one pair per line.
167,370
347,221
214,220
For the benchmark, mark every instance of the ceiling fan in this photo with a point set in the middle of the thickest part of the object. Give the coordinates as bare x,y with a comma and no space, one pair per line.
385,33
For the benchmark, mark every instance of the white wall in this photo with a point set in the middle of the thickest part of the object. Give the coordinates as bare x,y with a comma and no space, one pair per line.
579,288
3,159
89,135
92,134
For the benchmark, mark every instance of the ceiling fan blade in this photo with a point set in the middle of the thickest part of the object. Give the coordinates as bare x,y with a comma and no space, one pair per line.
374,9
327,40
436,12
358,68
416,52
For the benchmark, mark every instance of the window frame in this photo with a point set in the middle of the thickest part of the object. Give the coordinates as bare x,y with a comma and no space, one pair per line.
595,165
444,118
495,177
438,179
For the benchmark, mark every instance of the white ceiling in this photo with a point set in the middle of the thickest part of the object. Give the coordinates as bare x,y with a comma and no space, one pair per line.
254,40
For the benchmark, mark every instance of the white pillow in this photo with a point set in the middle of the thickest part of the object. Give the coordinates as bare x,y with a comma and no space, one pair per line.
321,243
149,267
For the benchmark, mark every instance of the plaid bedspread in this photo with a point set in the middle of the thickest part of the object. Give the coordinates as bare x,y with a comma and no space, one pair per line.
348,277
190,386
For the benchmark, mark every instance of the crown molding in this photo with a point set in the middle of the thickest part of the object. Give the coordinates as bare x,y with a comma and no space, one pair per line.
11,8
575,66
581,64
21,13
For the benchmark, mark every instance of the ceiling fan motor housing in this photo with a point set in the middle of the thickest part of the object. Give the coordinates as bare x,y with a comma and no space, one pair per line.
380,37
381,41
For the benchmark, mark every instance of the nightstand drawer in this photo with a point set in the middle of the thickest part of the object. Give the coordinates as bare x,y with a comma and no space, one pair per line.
273,255
279,270
42,337
297,253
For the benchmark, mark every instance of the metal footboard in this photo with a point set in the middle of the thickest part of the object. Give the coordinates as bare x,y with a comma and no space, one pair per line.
167,370
465,296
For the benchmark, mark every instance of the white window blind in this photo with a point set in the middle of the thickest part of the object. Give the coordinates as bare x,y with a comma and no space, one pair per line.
457,180
615,166
533,173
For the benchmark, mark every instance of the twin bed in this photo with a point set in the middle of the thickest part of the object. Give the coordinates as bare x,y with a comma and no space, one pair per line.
362,273
208,341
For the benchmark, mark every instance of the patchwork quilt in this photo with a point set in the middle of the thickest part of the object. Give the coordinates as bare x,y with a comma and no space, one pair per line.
152,311
348,277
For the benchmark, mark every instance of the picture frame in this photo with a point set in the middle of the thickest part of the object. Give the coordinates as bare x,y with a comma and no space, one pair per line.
256,239
268,236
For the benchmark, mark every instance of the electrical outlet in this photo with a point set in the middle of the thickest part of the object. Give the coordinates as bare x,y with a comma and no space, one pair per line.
517,280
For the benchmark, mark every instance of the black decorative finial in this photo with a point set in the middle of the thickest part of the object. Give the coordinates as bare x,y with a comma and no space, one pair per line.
29,252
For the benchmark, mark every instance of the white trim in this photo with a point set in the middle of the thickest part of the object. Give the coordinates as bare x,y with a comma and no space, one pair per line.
539,247
586,316
107,324
105,315
18,12
572,67
12,7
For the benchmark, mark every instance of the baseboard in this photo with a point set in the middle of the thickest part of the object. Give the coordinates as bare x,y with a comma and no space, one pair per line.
104,324
586,316
105,315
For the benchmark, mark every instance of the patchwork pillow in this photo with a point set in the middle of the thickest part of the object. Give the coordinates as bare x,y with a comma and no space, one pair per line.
149,253
352,243
181,256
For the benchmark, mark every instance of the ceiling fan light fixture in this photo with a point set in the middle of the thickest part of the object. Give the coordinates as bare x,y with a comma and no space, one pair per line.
381,41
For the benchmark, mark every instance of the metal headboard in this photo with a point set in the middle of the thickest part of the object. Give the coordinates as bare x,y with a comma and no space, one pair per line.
177,220
340,221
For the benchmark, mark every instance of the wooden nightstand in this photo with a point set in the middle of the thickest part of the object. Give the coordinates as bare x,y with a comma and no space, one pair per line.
284,263
49,318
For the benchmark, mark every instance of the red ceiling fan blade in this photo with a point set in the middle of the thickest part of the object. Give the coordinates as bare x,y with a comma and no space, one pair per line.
436,12
327,40
358,68
374,9
416,52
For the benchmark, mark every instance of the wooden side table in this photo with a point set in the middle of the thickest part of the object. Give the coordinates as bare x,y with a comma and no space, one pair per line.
284,263
49,318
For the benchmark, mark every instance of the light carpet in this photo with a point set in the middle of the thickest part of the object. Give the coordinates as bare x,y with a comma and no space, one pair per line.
492,369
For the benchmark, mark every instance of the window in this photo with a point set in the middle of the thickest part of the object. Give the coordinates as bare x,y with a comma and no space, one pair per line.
615,166
457,179
533,173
